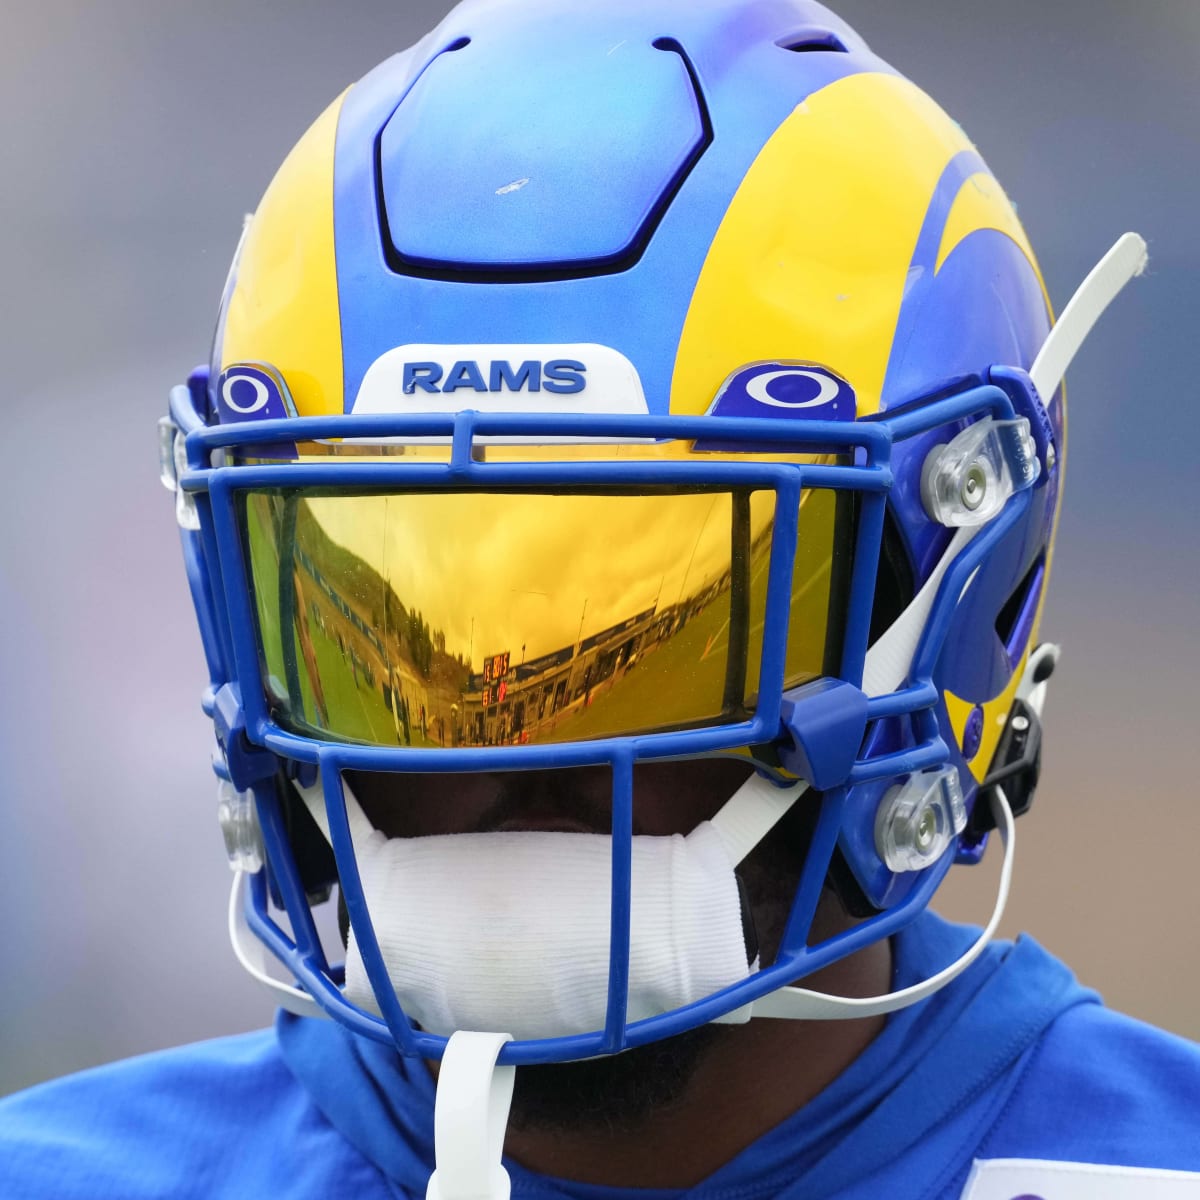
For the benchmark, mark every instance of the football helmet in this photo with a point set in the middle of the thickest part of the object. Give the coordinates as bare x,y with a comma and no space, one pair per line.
604,386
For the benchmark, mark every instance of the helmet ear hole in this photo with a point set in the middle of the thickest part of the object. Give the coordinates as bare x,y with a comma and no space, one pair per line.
894,586
1014,622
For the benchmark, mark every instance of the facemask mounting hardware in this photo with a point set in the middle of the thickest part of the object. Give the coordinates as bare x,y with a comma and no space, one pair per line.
172,462
239,827
1016,766
969,480
918,820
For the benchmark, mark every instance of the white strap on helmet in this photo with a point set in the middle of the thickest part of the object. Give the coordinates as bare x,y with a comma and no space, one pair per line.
752,812
890,658
252,954
1041,662
805,1005
1126,259
470,1116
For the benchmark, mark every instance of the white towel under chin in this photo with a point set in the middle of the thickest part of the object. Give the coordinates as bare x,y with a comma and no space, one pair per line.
509,932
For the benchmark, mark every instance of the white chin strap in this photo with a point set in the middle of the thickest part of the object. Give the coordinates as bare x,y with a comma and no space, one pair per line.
802,1004
1127,259
252,954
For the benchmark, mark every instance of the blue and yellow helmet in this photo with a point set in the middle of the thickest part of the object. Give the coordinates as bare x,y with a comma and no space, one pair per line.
598,386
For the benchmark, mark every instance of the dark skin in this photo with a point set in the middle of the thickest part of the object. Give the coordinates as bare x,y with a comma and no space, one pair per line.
732,1090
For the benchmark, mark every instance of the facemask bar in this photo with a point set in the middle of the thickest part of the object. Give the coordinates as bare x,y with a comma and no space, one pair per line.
906,689
784,480
870,440
303,955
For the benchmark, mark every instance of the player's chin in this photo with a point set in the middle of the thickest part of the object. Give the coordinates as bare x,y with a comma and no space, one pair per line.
615,1094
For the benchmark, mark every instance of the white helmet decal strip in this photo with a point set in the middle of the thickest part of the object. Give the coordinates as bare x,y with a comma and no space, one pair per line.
578,377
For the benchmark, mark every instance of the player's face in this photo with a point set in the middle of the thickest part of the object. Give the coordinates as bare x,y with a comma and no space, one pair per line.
669,798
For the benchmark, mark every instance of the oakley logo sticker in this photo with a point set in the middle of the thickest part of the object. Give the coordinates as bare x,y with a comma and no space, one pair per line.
758,388
572,378
254,394
777,389
249,392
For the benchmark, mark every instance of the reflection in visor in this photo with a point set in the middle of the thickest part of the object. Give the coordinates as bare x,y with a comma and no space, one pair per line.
472,619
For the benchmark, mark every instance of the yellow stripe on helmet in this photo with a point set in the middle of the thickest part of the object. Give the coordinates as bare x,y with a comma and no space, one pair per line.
284,308
982,204
812,256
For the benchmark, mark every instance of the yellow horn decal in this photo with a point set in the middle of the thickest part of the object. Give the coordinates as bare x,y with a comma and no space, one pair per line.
982,204
811,258
284,308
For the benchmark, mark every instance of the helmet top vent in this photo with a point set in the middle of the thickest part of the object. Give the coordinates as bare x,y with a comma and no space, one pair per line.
812,37
566,188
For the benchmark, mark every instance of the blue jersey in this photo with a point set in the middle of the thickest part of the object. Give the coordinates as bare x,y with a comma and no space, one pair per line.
1012,1060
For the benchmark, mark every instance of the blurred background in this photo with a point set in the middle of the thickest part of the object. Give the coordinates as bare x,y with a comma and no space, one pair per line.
135,135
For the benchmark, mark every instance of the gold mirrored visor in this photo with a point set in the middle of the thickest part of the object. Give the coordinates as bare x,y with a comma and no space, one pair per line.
450,619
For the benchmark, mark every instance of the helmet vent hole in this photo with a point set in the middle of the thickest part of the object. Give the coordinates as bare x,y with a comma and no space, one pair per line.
1014,622
457,44
806,40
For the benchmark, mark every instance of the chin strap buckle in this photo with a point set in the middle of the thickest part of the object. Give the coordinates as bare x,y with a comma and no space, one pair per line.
470,1117
1017,762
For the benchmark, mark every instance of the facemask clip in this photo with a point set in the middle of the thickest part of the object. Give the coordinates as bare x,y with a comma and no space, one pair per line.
968,481
918,819
172,462
824,722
